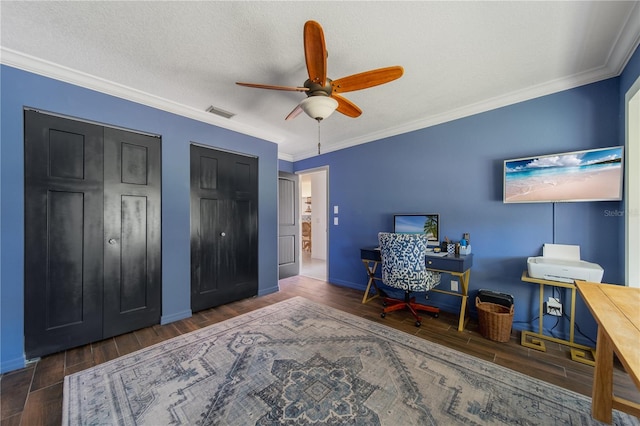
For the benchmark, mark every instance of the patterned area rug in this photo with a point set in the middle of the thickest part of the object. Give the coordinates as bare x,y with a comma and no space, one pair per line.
300,363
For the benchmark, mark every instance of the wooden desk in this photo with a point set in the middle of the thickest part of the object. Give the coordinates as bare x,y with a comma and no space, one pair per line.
458,266
616,309
578,352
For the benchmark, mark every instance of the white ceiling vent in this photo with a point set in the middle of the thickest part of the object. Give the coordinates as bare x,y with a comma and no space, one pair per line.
220,112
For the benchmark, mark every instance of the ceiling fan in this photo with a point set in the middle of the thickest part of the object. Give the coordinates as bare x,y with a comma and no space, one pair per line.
323,94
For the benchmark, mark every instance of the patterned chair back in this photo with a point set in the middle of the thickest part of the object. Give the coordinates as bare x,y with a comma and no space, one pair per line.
403,262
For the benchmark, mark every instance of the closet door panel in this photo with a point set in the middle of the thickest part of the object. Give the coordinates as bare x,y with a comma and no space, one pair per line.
134,254
63,233
132,244
206,228
243,267
209,237
224,227
241,270
92,232
64,288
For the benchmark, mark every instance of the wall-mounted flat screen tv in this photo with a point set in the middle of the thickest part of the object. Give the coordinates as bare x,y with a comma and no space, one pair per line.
590,175
428,224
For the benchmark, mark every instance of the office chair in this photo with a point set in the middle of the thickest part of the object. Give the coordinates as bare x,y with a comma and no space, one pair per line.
404,267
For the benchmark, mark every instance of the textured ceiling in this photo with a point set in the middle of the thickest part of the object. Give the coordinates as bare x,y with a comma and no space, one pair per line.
459,58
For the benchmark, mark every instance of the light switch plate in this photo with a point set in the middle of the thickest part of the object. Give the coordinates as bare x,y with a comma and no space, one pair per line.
335,220
335,209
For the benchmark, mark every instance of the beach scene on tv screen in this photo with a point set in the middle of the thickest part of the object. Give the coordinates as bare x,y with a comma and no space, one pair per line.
577,176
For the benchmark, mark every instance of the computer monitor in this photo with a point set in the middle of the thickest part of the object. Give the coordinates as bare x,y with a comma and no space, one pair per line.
419,223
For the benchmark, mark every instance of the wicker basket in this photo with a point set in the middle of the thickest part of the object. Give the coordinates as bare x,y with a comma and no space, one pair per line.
494,320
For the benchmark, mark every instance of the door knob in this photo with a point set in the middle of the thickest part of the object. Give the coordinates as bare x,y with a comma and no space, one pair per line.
112,241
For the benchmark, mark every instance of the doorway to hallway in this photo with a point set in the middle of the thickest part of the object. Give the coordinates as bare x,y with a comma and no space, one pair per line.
313,220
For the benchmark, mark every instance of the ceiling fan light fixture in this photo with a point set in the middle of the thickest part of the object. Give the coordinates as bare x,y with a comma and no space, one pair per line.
319,107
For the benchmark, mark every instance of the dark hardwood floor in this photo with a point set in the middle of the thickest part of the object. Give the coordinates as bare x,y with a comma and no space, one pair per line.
33,395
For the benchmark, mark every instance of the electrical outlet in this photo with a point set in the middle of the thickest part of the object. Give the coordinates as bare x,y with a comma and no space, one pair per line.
554,307
454,285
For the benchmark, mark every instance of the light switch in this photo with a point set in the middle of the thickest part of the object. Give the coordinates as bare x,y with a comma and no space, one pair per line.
335,209
335,220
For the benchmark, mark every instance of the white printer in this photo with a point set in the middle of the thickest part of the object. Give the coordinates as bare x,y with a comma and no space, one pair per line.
560,262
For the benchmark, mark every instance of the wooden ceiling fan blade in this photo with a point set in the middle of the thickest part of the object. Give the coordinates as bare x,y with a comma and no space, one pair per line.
293,114
366,79
315,52
346,107
270,87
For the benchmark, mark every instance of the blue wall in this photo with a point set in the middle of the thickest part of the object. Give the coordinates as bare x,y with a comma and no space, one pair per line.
455,169
285,166
20,89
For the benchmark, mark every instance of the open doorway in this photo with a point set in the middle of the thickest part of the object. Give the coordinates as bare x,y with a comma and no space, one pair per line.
313,221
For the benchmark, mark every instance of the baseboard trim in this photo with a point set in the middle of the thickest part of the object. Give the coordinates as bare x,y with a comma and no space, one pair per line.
13,364
167,319
270,290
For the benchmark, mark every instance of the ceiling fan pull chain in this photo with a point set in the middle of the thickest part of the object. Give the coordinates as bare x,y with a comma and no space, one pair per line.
318,137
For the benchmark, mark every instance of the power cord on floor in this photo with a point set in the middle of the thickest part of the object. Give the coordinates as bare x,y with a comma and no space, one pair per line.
554,326
578,330
550,331
564,315
575,323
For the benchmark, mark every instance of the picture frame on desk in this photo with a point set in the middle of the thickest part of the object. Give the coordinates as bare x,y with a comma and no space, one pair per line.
419,223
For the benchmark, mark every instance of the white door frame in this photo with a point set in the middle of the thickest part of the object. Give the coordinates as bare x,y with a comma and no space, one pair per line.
324,211
632,187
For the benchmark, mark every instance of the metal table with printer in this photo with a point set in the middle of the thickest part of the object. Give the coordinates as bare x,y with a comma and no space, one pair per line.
560,266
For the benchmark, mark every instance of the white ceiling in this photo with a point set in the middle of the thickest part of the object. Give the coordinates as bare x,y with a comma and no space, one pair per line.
460,58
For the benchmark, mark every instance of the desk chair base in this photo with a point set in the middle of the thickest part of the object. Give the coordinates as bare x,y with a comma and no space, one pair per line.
391,304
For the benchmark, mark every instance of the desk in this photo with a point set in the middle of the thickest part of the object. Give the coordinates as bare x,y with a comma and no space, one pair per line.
578,351
615,309
458,266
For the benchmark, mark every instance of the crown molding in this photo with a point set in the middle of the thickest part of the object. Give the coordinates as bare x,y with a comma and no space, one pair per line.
512,98
622,51
55,71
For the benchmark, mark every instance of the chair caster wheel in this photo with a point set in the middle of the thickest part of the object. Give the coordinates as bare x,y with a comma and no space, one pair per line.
418,323
436,315
384,304
383,315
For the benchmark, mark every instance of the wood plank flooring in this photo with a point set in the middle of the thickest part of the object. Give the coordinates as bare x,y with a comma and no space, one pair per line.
33,395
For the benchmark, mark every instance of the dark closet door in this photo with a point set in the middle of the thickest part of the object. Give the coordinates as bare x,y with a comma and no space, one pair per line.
288,225
224,227
63,233
132,246
92,233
